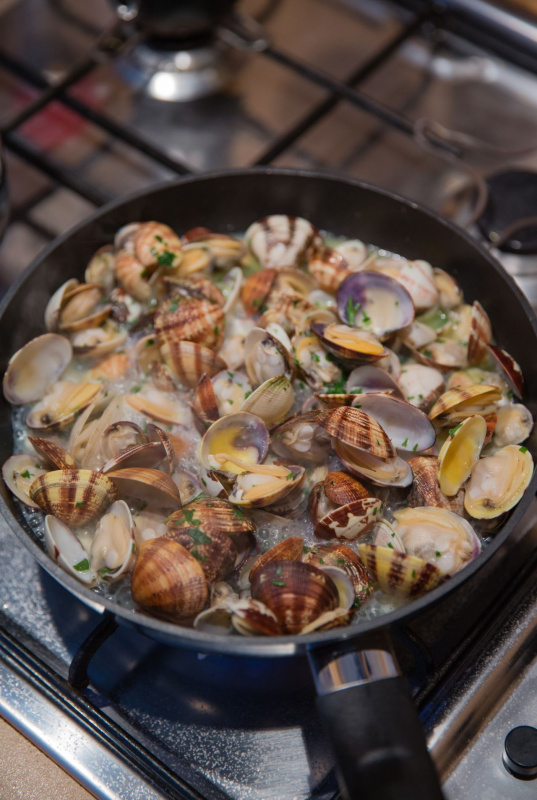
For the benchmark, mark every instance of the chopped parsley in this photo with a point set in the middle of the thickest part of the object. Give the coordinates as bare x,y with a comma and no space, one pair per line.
352,310
290,476
321,560
523,449
427,353
438,553
279,570
366,319
104,571
405,443
174,305
305,548
453,431
247,394
82,566
216,330
413,573
231,374
198,537
357,603
80,504
278,583
315,357
136,389
27,474
197,555
165,259
414,448
150,342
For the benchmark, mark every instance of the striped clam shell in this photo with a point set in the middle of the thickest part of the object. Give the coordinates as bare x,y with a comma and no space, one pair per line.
190,319
216,552
342,488
280,240
460,399
328,267
341,556
52,454
509,368
398,573
189,361
131,275
211,515
289,550
149,485
74,496
425,490
480,334
357,429
256,289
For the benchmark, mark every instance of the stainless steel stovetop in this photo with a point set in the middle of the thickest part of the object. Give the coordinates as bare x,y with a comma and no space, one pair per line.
156,722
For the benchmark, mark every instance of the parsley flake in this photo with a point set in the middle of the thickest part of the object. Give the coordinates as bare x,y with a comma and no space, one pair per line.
523,449
405,443
82,566
27,474
278,583
454,430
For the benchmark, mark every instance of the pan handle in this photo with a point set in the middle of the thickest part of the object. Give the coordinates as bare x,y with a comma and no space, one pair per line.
374,728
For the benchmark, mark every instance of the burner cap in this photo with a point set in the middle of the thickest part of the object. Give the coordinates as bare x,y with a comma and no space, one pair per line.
512,199
520,752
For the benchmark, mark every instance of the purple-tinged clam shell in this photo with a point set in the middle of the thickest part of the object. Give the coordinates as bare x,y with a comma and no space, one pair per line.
369,378
375,302
509,368
408,427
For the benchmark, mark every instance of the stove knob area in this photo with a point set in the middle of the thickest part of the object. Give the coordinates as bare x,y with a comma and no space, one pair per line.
520,752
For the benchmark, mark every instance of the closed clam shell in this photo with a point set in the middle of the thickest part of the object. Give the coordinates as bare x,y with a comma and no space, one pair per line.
462,401
498,482
351,521
380,471
328,266
131,274
279,240
75,496
459,453
339,555
149,485
19,472
190,319
52,454
52,311
272,400
216,552
65,549
357,429
399,574
255,290
204,404
480,334
342,488
168,581
425,490
211,515
189,361
407,427
35,367
510,369
290,549
295,592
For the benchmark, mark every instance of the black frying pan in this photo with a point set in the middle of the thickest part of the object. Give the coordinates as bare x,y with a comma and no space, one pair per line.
375,731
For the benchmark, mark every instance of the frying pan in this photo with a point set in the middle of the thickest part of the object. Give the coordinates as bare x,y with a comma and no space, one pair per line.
364,702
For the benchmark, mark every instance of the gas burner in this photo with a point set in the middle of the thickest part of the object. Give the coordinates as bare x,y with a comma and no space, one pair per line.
182,75
510,217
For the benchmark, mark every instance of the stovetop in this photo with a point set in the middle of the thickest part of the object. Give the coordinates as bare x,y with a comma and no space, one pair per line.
83,124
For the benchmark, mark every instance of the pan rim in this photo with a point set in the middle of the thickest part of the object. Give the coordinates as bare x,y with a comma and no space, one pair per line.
283,645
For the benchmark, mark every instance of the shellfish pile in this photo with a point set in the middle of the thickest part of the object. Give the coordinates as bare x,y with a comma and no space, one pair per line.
262,435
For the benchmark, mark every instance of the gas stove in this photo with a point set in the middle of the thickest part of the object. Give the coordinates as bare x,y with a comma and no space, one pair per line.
419,100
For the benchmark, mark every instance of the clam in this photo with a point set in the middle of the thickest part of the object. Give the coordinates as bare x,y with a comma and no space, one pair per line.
51,454
54,305
252,618
120,437
256,289
231,287
290,280
210,515
82,308
399,574
290,549
498,482
341,556
443,355
168,581
149,485
190,319
216,552
271,401
351,521
98,342
449,291
148,524
313,361
189,361
62,404
416,276
156,244
110,368
509,368
233,443
459,453
425,490
354,251
480,334
358,429
349,344
369,378
385,536
514,424
194,287
375,302
231,388
19,472
100,267
266,357
112,549
189,485
195,258
280,241
456,404
35,367
293,312
262,485
132,275
302,438
162,406
438,536
65,549
225,250
328,266
342,488
295,592
146,352
417,335
146,455
421,385
75,496
407,426
380,471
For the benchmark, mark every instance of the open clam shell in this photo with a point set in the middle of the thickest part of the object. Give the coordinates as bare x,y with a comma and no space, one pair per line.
509,368
162,406
147,455
375,302
82,308
380,471
457,404
62,404
295,592
35,367
349,344
99,341
328,266
407,427
480,334
498,482
189,361
302,438
256,289
149,485
52,454
449,292
369,378
266,357
252,618
266,484
421,385
351,521
113,547
100,267
75,496
341,556
359,430
398,573
19,472
271,401
65,549
242,436
459,453
514,424
204,404
426,490
54,305
168,581
385,536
